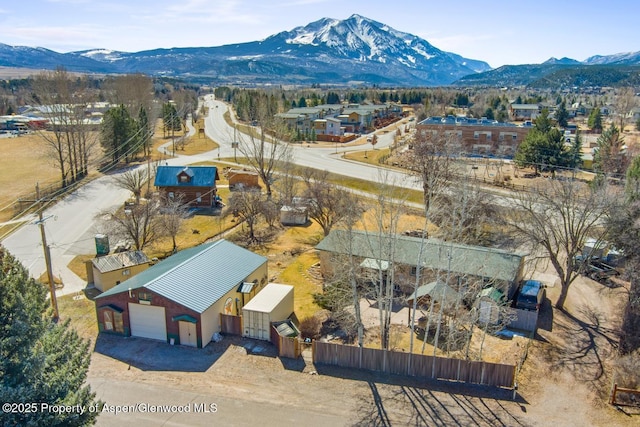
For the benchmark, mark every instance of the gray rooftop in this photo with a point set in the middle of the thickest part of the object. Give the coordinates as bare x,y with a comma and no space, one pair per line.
120,260
465,259
196,277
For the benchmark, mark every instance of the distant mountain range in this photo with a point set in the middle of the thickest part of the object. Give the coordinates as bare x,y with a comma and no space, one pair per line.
353,51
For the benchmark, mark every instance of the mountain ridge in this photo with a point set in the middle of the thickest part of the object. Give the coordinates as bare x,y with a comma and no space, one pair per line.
353,51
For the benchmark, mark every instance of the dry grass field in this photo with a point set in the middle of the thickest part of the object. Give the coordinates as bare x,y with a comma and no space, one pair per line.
24,163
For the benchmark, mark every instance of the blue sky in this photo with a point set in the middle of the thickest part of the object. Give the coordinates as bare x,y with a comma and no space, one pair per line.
499,32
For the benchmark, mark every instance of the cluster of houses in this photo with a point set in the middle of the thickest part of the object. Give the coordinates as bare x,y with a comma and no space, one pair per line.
338,119
42,116
194,295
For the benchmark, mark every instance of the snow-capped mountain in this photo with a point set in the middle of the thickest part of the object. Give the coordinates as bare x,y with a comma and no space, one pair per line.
354,50
625,58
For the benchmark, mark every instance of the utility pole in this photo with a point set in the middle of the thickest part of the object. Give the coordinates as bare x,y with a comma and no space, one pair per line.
47,257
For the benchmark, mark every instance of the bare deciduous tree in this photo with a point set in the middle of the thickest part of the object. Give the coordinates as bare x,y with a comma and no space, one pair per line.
327,203
248,206
133,180
139,224
173,212
556,219
264,147
69,138
624,101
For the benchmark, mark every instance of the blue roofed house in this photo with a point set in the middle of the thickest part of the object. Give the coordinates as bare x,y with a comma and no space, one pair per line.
180,300
195,184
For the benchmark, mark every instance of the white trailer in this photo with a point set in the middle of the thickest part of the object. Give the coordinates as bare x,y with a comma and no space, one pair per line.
272,304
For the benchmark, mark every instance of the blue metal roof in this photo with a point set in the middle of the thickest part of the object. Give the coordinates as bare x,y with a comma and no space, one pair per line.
197,277
201,176
464,121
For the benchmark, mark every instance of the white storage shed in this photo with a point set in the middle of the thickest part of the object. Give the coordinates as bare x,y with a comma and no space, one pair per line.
272,304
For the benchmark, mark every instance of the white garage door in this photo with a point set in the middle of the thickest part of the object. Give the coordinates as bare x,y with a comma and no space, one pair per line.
147,321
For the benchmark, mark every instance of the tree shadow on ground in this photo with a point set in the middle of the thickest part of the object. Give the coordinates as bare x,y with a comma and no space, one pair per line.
586,344
410,401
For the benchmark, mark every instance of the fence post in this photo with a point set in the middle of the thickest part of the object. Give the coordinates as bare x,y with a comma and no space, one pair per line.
613,394
482,374
360,358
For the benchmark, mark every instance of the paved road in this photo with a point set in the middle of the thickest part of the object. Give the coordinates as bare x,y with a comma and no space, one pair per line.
71,229
306,155
175,407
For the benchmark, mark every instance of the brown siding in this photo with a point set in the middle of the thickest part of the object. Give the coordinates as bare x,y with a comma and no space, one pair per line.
190,195
468,142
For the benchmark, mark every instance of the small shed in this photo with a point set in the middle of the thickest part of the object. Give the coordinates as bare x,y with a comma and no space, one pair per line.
108,271
272,304
294,215
488,304
243,180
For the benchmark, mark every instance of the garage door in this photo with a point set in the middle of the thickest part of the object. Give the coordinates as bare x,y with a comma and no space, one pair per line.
147,321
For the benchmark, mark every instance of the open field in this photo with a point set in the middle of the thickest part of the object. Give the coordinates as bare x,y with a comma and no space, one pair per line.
25,162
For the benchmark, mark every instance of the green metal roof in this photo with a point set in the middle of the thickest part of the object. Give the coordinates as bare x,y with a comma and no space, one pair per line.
436,255
436,290
196,277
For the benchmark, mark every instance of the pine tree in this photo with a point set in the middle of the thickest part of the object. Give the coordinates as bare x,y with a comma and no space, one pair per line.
40,361
595,120
562,116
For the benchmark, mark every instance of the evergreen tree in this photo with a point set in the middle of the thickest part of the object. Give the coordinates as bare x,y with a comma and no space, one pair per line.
488,113
144,136
302,102
562,115
333,98
40,361
610,157
632,186
544,147
118,134
595,120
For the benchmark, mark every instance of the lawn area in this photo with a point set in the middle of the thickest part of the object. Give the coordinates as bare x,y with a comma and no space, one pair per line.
81,312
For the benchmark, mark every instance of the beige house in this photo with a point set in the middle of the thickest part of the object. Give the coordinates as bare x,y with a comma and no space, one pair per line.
110,270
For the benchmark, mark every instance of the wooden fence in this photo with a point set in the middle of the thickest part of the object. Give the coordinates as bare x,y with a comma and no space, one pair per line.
287,347
631,391
335,138
415,365
230,324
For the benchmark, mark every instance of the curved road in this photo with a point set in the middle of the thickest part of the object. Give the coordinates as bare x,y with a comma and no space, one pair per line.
73,223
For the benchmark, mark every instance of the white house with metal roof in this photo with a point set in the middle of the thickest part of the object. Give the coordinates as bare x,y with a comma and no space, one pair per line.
180,299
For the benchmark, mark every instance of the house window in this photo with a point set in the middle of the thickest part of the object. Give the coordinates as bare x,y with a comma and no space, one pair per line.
117,322
184,178
199,197
414,270
126,272
171,195
476,135
108,320
144,296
